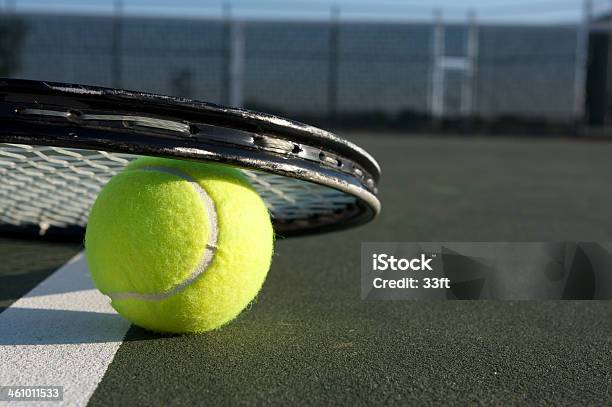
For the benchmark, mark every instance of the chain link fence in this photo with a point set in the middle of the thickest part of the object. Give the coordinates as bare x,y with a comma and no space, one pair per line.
321,71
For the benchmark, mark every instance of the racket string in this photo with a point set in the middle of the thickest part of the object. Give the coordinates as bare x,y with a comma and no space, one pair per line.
55,187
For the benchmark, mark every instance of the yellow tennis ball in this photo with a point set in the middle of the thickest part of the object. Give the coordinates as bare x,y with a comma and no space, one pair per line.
179,246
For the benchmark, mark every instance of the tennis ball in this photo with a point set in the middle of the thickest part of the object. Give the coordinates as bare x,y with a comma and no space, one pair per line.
179,246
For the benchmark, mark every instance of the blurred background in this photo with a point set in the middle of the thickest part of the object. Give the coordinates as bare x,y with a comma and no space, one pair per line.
514,66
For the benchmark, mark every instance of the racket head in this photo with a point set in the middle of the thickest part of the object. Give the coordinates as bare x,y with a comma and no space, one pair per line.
311,180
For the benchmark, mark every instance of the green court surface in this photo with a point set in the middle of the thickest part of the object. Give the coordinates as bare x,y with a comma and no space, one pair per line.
310,340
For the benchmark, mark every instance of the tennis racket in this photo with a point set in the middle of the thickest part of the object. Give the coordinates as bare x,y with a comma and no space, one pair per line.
60,143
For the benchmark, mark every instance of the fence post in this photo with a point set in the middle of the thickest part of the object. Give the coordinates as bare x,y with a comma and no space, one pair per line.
437,76
468,92
117,45
233,59
332,80
236,64
582,43
226,53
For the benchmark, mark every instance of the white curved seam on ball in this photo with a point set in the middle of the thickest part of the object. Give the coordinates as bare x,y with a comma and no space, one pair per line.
209,250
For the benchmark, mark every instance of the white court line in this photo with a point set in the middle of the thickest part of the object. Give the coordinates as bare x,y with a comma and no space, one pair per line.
62,333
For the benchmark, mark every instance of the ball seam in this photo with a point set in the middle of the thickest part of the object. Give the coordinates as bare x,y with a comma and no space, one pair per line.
209,249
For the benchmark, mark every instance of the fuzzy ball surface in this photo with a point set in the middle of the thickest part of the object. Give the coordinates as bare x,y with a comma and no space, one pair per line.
178,246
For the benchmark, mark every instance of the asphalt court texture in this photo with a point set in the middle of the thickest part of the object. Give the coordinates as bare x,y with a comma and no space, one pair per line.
310,340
